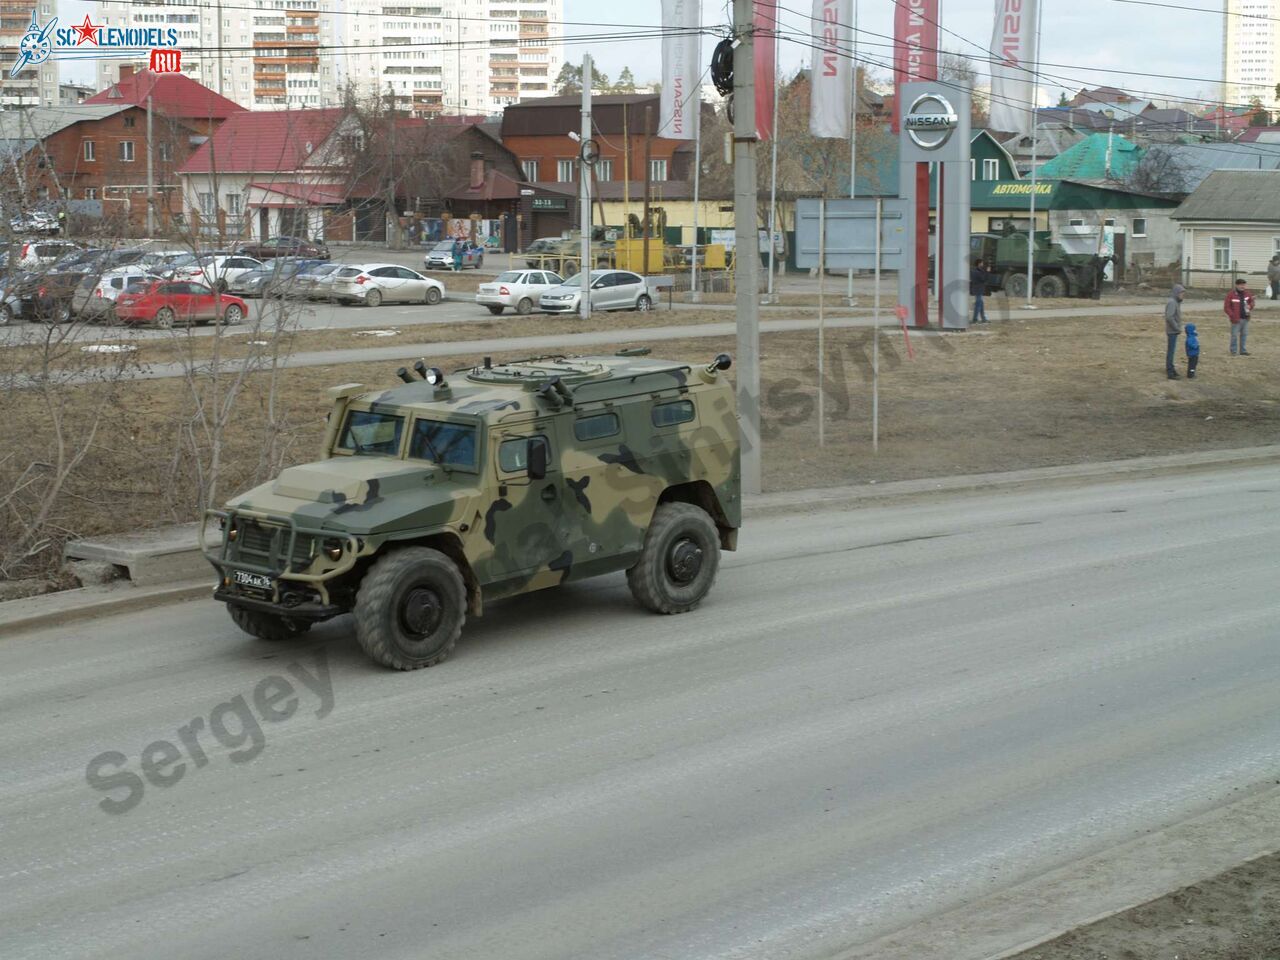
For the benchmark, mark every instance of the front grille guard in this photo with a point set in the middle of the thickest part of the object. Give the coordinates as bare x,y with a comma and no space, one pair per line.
282,525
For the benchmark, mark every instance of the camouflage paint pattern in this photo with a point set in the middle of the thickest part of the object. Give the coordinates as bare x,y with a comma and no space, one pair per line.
515,534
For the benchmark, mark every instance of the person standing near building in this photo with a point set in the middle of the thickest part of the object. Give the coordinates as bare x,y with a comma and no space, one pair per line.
1273,276
1173,327
978,280
1238,306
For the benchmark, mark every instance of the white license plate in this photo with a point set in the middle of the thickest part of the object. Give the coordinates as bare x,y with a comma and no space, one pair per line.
246,579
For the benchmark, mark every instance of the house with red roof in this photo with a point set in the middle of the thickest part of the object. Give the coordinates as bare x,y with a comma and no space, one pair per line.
171,95
279,173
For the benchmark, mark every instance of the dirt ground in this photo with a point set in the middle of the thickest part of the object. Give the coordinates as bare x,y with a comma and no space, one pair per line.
1233,916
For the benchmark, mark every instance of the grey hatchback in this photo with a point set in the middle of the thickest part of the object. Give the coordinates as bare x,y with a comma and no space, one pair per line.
610,290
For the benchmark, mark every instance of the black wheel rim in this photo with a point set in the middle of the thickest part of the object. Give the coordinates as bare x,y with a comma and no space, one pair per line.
421,612
684,560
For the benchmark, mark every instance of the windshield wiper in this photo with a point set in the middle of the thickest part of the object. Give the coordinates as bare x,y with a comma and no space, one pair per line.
435,457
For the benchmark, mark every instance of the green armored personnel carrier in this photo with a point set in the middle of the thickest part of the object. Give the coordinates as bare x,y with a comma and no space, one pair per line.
440,494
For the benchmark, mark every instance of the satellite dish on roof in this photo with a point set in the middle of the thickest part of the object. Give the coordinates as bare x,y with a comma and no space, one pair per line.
309,147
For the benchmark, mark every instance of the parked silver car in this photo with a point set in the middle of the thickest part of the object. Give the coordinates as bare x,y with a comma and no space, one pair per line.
95,296
610,290
375,283
518,289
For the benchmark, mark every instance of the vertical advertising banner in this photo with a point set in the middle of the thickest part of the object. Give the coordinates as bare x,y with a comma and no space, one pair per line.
915,47
831,76
680,80
765,20
1013,64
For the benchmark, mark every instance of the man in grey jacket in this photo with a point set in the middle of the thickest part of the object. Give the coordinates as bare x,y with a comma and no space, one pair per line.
1173,327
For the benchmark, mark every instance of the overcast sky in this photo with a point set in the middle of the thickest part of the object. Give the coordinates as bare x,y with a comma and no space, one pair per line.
1077,36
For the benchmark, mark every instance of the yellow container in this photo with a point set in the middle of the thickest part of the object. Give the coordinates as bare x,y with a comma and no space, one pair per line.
630,254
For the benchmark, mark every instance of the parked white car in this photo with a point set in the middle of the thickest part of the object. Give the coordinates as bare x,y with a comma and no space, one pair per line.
95,297
216,270
610,290
518,289
36,253
375,283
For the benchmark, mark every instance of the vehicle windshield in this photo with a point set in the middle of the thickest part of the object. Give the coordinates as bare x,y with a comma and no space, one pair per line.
377,434
451,444
444,245
576,280
511,276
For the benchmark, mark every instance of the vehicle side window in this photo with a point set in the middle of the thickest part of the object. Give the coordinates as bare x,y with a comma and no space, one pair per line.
383,272
670,414
199,289
513,454
404,274
171,289
596,427
627,279
119,282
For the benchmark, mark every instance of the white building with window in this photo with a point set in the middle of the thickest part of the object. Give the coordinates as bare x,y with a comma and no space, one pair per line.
1230,227
433,56
1250,51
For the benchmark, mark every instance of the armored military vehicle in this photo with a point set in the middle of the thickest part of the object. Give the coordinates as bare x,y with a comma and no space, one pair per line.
439,495
1057,273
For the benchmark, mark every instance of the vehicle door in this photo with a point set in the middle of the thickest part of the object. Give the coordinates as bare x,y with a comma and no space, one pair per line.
627,290
236,267
526,523
599,290
415,285
204,302
177,297
389,282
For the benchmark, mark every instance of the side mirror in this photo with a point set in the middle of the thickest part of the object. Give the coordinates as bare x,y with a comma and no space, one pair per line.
536,458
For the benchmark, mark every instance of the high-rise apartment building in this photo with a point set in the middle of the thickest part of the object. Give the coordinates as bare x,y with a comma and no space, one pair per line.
438,56
36,85
1250,52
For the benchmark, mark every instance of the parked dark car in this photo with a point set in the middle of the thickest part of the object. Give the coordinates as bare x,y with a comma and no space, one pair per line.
284,247
41,296
275,278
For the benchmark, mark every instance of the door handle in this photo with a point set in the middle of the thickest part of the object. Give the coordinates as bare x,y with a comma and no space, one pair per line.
548,492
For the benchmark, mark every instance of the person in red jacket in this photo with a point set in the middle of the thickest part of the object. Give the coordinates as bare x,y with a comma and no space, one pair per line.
1239,308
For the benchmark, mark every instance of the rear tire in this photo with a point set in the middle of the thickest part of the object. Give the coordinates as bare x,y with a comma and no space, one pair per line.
569,269
410,608
1051,285
164,318
678,561
6,314
267,626
643,303
373,298
524,307
433,296
495,310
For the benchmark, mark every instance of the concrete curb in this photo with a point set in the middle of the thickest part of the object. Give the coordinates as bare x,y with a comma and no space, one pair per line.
71,606
834,498
1085,891
68,606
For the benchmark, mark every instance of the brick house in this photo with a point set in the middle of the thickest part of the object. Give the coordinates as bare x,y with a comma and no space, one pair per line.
97,151
537,132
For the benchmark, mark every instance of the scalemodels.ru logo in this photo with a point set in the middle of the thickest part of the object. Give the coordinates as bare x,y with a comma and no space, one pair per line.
92,40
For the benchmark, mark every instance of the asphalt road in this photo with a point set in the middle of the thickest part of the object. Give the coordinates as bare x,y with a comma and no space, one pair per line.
878,714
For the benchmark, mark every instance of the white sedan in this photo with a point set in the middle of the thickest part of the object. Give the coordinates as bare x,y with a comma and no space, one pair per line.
375,283
518,289
216,270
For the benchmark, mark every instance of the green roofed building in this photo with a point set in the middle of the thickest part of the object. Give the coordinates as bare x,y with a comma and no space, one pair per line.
1099,156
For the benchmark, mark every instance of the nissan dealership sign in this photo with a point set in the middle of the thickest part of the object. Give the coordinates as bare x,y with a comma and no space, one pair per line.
930,121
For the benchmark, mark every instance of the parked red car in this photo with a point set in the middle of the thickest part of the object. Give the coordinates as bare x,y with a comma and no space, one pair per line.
177,301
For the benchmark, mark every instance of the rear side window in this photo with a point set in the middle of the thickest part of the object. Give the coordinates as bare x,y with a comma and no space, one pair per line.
597,427
670,414
348,272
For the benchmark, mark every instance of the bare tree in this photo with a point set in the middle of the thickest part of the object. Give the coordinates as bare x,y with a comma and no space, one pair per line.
1161,170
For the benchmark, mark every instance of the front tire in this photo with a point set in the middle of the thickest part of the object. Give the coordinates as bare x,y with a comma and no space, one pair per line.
433,296
267,626
524,307
1050,286
1015,285
679,560
6,314
410,608
164,318
232,315
373,298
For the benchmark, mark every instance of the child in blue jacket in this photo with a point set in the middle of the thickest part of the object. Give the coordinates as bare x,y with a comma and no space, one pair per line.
1193,350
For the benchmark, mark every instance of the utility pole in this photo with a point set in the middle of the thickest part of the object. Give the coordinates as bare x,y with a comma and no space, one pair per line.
746,261
853,136
648,142
584,191
151,175
393,220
